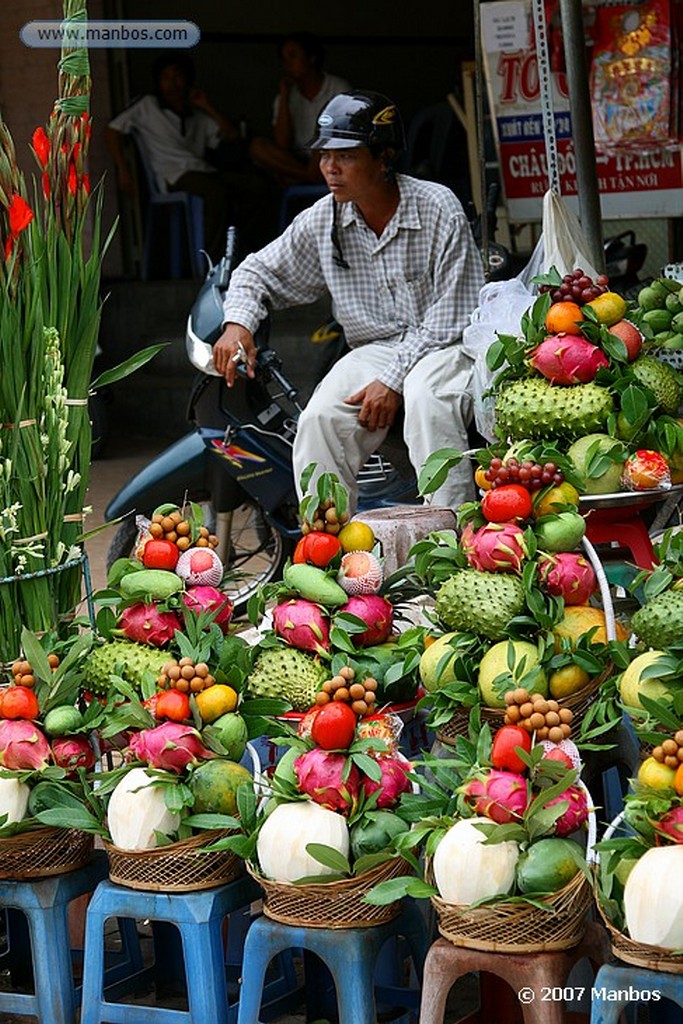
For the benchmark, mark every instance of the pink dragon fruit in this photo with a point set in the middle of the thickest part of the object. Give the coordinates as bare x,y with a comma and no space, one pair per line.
496,547
376,612
171,746
146,624
320,776
502,796
569,576
200,599
22,745
302,624
394,781
575,815
671,825
568,359
72,752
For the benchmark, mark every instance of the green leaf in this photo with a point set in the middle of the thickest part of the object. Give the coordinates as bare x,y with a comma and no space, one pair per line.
396,888
212,821
436,468
330,857
129,366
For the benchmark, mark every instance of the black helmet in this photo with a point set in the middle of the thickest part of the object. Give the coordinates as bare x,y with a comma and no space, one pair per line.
359,118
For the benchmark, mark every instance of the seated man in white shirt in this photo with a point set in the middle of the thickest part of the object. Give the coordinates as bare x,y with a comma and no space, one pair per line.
398,259
304,90
178,126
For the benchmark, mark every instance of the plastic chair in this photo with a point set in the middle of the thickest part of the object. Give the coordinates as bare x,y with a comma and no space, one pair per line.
618,980
302,195
185,218
41,908
350,955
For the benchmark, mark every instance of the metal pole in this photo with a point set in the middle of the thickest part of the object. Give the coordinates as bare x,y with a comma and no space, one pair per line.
582,127
481,148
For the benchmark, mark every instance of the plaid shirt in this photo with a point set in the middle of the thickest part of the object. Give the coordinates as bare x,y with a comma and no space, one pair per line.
413,288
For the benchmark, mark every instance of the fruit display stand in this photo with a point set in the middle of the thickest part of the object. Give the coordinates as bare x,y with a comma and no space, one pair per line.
654,958
513,927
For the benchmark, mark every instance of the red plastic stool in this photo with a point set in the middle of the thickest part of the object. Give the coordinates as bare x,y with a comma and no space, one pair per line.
533,972
624,526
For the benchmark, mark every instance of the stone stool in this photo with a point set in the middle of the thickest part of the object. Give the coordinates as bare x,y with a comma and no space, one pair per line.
199,918
399,527
350,955
446,963
622,978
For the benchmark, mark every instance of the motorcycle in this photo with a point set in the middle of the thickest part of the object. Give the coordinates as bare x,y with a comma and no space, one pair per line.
236,462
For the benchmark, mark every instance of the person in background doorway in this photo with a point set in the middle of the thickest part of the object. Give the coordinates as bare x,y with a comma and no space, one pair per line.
305,88
179,127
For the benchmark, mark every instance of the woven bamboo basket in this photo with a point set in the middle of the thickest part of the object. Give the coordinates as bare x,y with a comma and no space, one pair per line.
330,904
43,852
507,927
578,702
653,958
178,867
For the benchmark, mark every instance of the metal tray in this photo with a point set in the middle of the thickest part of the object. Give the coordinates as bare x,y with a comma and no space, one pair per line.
628,499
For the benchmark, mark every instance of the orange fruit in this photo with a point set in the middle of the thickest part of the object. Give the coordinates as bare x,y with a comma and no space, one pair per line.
655,775
562,494
480,479
215,701
356,536
579,619
564,318
609,308
678,780
19,702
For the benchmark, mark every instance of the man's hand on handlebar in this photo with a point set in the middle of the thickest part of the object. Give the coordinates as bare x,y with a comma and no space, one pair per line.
235,346
378,405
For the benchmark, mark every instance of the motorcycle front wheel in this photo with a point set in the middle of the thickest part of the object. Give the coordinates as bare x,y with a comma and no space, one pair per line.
252,550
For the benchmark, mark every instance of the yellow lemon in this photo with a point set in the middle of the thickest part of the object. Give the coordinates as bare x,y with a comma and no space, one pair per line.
656,775
563,494
215,701
567,680
356,536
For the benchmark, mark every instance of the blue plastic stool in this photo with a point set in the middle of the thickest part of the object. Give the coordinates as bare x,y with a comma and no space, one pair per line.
199,918
45,905
350,954
620,978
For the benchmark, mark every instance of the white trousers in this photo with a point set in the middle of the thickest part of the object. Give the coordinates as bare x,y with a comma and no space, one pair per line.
437,397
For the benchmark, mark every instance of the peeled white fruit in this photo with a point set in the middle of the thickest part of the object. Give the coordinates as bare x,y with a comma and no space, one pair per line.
13,799
137,810
653,898
284,836
465,871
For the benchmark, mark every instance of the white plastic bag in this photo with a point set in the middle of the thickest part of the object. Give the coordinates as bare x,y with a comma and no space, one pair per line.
564,241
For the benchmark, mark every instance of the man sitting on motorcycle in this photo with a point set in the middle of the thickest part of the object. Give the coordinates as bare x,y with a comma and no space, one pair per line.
397,256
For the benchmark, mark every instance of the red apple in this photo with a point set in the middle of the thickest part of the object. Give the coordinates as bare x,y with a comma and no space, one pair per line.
631,337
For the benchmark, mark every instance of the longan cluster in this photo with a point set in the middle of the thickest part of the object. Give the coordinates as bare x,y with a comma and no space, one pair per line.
361,696
185,676
22,671
174,527
536,714
670,752
326,519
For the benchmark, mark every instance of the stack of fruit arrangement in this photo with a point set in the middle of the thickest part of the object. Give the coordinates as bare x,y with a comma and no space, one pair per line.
651,688
328,812
500,824
45,746
639,855
329,616
662,304
511,599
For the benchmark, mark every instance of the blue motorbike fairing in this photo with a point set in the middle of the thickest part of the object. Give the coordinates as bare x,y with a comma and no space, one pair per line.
180,467
266,474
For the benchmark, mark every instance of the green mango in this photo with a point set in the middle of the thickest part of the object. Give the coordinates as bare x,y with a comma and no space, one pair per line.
150,585
314,584
561,532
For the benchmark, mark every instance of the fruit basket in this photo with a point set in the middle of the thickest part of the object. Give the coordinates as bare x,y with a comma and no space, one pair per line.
653,958
518,927
43,852
337,904
184,866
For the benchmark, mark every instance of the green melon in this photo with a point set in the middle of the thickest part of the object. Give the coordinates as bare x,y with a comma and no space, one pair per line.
375,833
610,480
548,865
214,785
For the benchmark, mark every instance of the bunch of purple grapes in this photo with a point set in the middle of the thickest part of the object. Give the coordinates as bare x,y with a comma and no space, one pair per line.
531,475
577,287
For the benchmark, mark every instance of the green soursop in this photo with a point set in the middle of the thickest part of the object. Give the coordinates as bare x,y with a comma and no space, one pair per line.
659,623
480,602
662,380
289,674
535,408
123,658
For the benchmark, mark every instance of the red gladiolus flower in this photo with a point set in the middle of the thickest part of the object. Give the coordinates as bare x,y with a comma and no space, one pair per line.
46,184
9,245
72,179
41,145
20,214
85,182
